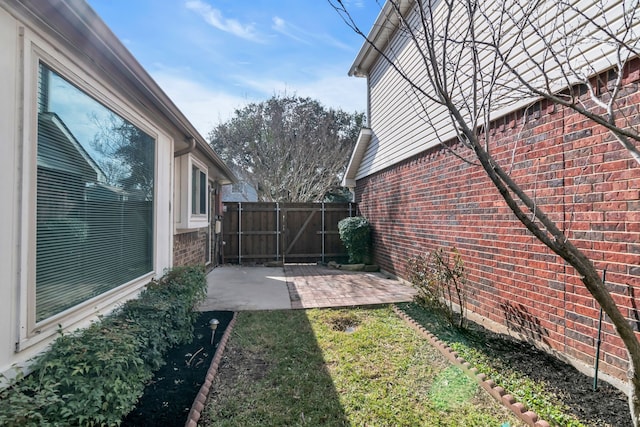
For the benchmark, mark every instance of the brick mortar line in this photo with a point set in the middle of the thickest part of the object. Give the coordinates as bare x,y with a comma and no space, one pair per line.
497,392
201,397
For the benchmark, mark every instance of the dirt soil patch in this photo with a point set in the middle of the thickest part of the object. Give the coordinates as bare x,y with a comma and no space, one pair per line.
607,406
168,397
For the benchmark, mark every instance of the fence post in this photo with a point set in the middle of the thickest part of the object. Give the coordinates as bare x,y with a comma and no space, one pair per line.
239,233
323,232
277,231
283,227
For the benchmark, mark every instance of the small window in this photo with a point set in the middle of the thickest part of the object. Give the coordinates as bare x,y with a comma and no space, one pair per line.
198,191
192,193
237,187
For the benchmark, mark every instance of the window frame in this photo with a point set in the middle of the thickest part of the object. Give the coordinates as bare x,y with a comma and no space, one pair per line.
82,210
66,62
199,179
186,218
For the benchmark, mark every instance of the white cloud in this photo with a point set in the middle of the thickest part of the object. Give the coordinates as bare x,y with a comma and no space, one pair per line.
296,33
344,92
332,90
205,107
281,26
357,3
215,18
334,42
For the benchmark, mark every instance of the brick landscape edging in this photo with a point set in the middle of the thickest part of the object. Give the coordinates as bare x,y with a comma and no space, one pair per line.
201,398
497,392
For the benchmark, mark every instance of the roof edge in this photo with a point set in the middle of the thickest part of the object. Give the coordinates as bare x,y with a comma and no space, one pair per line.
81,16
378,38
349,179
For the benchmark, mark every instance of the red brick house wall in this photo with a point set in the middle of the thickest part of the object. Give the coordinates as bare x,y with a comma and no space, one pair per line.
190,248
578,174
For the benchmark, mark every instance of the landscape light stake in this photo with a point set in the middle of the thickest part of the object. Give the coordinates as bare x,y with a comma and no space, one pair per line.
598,341
213,324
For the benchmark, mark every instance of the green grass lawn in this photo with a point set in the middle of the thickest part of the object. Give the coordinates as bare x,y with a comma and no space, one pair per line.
473,347
341,367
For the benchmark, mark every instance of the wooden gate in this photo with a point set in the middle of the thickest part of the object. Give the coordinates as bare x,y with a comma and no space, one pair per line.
287,232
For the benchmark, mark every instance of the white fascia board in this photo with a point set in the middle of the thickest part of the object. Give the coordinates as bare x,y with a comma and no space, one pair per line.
383,28
362,143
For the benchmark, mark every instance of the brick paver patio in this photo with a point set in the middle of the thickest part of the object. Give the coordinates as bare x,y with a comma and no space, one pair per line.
312,286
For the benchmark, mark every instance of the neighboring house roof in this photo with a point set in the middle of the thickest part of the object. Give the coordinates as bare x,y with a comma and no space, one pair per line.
77,23
102,191
241,191
62,151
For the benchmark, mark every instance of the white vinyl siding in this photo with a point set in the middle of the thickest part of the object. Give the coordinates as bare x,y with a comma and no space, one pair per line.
399,127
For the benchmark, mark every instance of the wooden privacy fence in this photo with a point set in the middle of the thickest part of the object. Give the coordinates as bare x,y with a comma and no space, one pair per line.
258,232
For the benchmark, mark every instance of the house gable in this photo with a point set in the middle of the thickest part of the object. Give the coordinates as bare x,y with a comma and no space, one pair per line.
405,122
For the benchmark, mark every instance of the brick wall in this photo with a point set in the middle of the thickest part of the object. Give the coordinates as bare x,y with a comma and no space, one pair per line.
189,248
576,172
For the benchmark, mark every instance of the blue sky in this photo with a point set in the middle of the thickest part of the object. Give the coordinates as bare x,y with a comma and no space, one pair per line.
214,56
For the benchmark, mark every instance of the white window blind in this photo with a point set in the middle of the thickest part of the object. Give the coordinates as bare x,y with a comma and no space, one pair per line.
95,187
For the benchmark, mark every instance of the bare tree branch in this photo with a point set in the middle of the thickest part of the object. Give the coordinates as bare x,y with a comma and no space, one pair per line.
477,59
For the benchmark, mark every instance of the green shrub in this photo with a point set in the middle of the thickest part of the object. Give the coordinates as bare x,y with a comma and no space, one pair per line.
95,376
355,233
440,280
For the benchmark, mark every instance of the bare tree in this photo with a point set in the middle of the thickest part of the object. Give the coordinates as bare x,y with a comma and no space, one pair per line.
567,68
125,154
480,59
293,149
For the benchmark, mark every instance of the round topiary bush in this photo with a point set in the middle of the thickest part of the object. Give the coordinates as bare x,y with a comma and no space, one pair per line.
355,233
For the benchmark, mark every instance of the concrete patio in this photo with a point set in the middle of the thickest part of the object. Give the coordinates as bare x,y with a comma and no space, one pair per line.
240,288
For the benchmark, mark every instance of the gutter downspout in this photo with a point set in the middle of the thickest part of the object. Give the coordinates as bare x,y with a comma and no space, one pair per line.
190,148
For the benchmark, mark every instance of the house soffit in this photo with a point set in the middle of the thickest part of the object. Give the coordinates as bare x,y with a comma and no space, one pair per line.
356,157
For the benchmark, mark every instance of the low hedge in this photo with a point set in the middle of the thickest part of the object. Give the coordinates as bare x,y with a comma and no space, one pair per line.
96,375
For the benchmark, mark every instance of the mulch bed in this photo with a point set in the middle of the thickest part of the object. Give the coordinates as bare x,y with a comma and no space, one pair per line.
606,406
168,397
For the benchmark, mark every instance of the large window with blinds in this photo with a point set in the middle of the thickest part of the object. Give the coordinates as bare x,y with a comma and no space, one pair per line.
95,198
